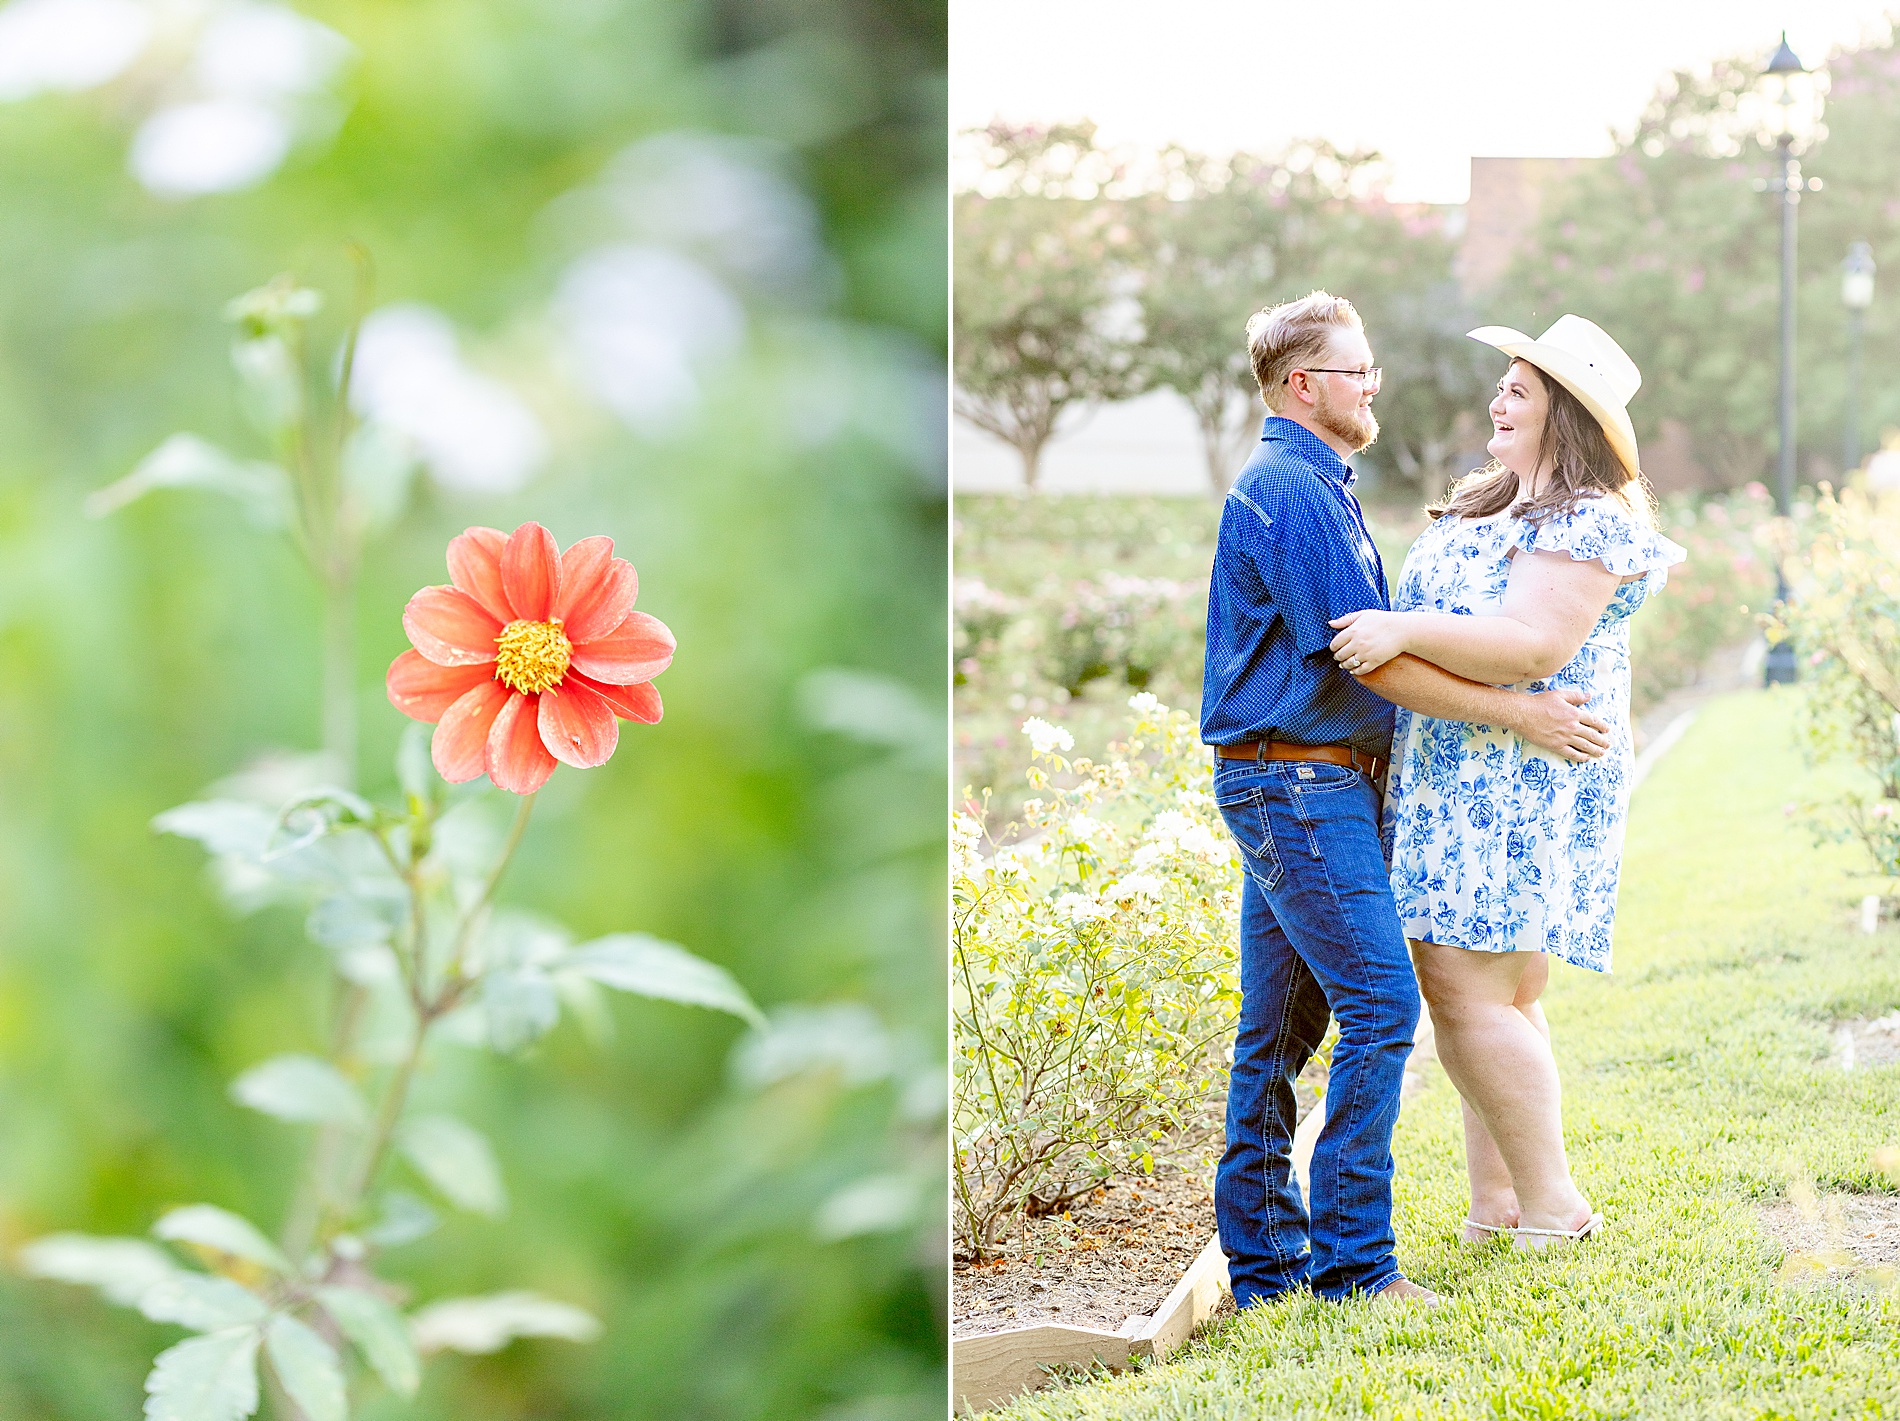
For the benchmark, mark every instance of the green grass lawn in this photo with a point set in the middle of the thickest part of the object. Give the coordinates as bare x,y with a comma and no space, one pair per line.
1697,1090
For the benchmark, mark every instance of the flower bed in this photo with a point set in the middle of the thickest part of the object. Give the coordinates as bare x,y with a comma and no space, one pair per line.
1094,986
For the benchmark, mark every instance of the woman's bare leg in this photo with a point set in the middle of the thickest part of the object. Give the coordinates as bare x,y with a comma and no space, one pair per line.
1494,1044
1493,1198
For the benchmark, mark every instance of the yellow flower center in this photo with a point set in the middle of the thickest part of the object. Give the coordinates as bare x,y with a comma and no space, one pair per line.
531,656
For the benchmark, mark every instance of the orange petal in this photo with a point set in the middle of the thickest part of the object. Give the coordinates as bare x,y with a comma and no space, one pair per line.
597,589
639,649
578,726
450,628
462,734
422,690
517,760
531,572
475,567
639,702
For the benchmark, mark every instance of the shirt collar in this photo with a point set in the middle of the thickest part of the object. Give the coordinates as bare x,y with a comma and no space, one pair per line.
1310,447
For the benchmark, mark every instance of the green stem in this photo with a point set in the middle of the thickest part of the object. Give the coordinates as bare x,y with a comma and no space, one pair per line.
466,928
384,1130
428,1010
339,674
306,1210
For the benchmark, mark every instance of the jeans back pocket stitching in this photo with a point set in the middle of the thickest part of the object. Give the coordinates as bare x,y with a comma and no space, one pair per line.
1269,852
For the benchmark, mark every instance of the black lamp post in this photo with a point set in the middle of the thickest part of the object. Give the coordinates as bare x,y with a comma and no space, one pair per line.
1784,85
1857,294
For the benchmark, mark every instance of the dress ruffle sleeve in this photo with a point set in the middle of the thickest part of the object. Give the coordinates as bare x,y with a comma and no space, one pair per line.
1602,528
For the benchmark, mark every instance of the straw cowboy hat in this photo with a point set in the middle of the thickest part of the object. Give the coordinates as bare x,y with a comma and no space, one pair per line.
1580,356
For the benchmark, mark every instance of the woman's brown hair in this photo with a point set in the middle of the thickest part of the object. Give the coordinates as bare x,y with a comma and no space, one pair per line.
1583,465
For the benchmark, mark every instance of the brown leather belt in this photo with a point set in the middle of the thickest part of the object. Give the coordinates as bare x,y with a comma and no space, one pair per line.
1369,765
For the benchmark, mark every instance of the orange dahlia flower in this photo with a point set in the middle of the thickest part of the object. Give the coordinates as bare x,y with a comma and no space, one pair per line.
528,657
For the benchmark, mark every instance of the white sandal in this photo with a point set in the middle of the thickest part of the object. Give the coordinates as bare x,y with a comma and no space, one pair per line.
1531,1240
1492,1229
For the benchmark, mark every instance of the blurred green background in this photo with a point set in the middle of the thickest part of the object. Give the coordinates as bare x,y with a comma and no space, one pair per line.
792,520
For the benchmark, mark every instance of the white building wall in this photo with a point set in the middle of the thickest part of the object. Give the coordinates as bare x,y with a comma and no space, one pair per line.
1145,445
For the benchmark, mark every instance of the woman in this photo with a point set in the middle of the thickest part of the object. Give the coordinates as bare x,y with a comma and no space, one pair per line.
1504,856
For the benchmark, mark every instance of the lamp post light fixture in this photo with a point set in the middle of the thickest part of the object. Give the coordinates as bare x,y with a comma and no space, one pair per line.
1857,294
1793,113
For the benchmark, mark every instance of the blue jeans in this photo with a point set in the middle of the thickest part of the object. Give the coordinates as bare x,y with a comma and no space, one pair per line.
1319,937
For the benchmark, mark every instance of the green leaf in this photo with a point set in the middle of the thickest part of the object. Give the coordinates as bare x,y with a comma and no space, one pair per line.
457,1161
121,1268
635,962
877,710
186,461
301,1088
405,1219
217,1228
380,1334
223,826
201,1302
308,1368
311,816
520,1006
379,467
344,920
489,1323
882,1203
210,1378
415,771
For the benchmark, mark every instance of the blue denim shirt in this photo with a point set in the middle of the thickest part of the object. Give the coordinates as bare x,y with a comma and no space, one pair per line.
1294,553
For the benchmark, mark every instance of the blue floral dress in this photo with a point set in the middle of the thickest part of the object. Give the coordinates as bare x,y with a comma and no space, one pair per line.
1496,845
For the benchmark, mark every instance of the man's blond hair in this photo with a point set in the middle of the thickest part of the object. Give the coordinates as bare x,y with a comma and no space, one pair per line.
1294,336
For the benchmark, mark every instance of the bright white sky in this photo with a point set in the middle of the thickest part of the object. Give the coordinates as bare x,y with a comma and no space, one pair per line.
1429,83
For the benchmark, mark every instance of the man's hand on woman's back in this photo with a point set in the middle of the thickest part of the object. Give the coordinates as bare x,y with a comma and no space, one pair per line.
1555,720
1551,720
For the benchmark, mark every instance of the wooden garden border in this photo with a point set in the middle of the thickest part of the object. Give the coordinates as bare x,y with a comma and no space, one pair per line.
997,1367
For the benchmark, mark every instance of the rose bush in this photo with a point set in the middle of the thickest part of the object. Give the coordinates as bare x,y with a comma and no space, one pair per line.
1844,620
1094,981
1705,606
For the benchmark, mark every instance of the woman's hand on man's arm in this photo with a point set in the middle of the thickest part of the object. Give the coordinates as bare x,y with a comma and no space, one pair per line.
1552,720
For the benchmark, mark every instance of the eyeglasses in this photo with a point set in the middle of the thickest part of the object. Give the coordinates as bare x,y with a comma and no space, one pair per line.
1365,377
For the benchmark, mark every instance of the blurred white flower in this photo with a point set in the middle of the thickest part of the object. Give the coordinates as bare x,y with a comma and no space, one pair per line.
1012,862
1144,703
219,145
68,45
1079,908
237,83
1134,885
1173,833
642,324
1046,739
268,53
1080,829
725,201
966,844
471,431
259,71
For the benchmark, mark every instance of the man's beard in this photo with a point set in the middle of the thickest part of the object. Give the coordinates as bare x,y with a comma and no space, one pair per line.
1347,423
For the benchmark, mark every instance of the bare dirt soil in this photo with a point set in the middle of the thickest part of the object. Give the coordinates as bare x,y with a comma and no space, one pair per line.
1837,1235
1113,1255
1859,1044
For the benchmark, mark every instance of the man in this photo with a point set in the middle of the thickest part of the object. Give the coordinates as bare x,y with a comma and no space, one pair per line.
1300,749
